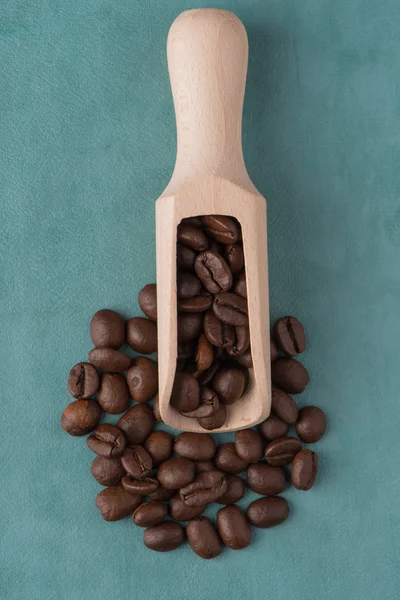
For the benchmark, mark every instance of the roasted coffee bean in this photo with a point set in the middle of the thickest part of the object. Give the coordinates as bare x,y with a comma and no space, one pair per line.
164,537
83,380
204,354
137,423
188,286
107,329
107,471
109,359
175,473
249,445
148,300
213,271
141,335
284,406
282,451
185,393
231,309
156,408
185,257
274,352
161,494
196,446
116,503
209,404
206,488
304,469
186,350
223,229
148,514
193,237
240,285
159,446
180,511
234,492
113,395
219,334
290,336
273,427
245,359
107,440
289,375
137,461
241,344
267,512
144,487
233,527
264,479
205,377
142,379
203,466
234,257
189,326
197,304
214,421
311,424
80,417
195,221
203,538
228,460
229,384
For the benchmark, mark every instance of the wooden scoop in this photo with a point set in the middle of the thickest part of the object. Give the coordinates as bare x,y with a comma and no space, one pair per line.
207,59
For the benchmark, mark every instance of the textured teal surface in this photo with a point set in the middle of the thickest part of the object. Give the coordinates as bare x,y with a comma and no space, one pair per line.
87,144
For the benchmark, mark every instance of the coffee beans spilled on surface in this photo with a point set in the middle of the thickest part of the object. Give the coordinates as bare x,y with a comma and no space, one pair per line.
162,481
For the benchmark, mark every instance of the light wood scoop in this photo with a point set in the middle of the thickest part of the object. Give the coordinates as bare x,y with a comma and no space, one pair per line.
207,59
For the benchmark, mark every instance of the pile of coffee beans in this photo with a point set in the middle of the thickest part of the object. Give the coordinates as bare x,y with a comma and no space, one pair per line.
214,352
162,481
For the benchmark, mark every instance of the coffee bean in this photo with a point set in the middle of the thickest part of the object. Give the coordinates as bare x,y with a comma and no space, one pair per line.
214,421
249,445
289,375
197,304
311,424
213,271
209,404
284,406
189,326
175,473
109,359
219,334
116,503
156,408
234,257
164,537
196,221
289,333
185,257
185,392
241,344
148,514
186,350
180,511
267,512
264,479
231,309
221,228
196,446
282,451
203,538
245,359
304,469
229,385
240,285
193,237
206,488
113,395
159,446
83,380
141,335
161,494
233,527
107,440
204,354
137,461
188,286
107,329
274,351
228,460
234,492
144,487
142,379
148,300
137,423
205,377
107,471
273,427
80,417
203,466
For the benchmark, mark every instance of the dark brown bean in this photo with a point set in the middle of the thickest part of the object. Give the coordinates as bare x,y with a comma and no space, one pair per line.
83,380
304,469
289,375
148,514
144,487
107,440
107,471
219,334
185,393
196,446
231,309
290,336
233,527
241,343
137,423
107,329
214,421
240,285
113,395
180,511
223,229
137,461
161,494
80,417
116,503
148,300
209,404
109,359
228,460
159,446
203,466
234,257
142,379
264,479
203,538
193,237
249,445
245,359
229,384
198,304
267,512
274,351
175,473
189,326
234,492
282,451
141,335
206,488
185,257
273,427
213,271
204,354
164,537
188,285
284,406
195,221
311,424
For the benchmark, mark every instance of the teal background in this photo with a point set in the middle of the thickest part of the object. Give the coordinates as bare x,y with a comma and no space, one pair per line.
87,144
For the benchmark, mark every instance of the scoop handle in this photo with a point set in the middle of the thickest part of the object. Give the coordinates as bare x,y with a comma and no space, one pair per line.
207,53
